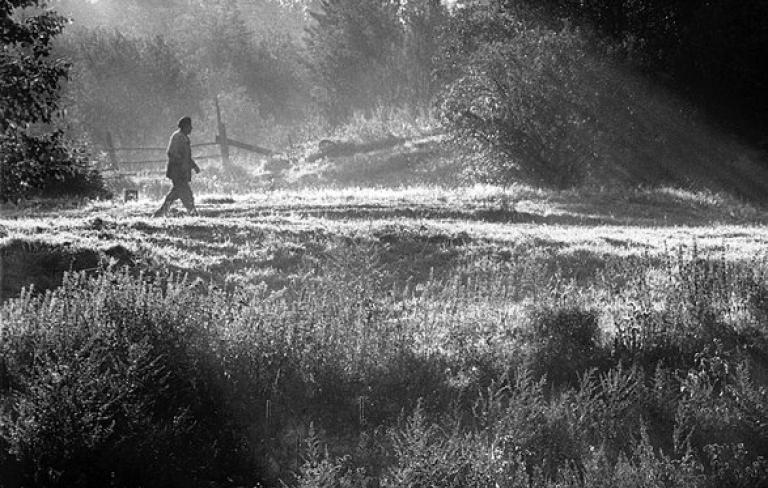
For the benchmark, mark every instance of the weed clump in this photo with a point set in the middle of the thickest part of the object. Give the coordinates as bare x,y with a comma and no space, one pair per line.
495,373
112,381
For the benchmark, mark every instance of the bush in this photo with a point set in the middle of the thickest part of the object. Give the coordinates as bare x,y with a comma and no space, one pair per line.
46,166
114,382
520,99
35,159
146,380
534,100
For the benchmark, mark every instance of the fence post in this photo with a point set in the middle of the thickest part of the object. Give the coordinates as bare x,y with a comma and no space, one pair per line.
222,137
112,153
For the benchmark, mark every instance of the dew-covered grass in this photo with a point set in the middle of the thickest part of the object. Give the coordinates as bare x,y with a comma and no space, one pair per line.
388,337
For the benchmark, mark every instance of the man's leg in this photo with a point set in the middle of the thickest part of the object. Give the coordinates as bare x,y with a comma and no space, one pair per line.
187,198
169,199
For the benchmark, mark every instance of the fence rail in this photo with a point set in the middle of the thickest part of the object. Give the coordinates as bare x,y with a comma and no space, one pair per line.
221,140
202,144
160,161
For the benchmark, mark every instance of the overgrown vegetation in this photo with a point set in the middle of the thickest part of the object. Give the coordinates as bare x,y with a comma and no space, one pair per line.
129,87
397,356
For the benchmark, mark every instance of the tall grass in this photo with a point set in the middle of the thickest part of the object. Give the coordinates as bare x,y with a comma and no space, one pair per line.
504,371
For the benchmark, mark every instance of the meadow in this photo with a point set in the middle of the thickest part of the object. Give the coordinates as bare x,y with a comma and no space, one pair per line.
353,310
409,336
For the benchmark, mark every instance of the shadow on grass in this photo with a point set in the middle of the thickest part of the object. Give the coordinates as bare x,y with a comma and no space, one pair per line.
577,214
384,212
42,265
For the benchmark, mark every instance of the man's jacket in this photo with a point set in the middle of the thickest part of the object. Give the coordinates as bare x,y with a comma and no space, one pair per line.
180,162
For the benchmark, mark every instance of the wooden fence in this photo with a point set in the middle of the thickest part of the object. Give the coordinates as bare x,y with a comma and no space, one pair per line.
157,166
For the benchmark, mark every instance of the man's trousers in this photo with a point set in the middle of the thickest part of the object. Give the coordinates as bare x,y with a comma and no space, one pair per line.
182,191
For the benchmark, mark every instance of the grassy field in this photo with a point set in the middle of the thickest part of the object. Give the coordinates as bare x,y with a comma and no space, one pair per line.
273,235
419,336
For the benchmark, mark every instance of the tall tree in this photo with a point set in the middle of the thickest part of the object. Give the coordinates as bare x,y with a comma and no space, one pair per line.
132,87
350,45
367,52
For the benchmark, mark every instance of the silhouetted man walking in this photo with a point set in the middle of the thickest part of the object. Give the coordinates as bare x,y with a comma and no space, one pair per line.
180,166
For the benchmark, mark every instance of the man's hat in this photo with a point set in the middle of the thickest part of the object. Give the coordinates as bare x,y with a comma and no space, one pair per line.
184,121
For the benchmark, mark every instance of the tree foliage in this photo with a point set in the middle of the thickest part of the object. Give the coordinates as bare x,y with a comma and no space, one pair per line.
140,65
714,52
29,80
363,53
537,99
521,104
34,157
128,86
229,55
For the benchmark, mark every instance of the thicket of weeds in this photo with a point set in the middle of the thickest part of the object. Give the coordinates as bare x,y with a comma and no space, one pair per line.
503,372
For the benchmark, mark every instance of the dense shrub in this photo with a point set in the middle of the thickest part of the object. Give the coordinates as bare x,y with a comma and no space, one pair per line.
113,382
536,100
35,159
46,165
195,384
30,74
521,98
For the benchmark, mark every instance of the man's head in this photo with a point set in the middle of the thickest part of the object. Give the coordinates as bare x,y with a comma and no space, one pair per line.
185,124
